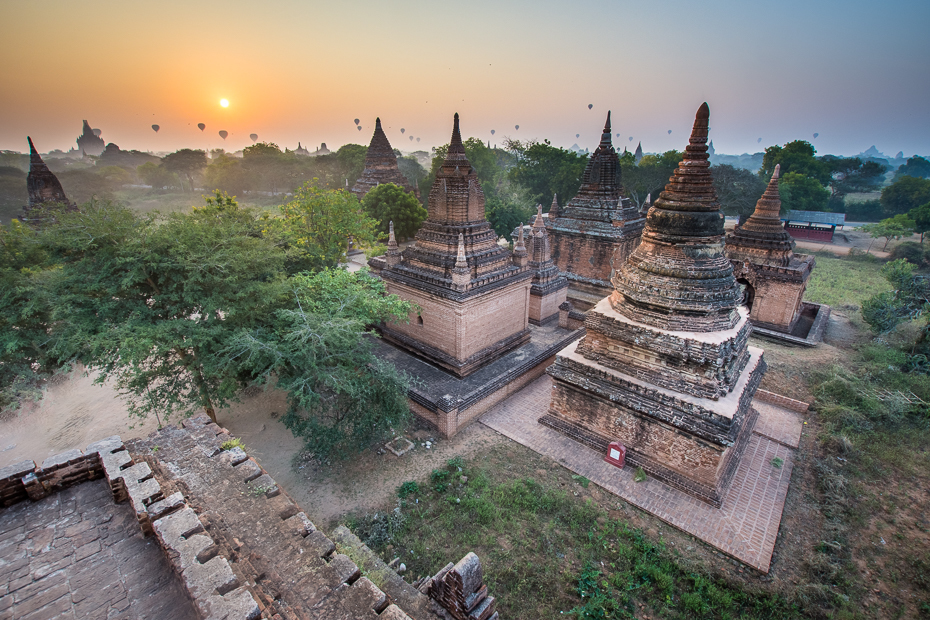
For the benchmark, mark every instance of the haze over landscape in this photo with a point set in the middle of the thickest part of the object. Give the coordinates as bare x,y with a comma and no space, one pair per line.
854,72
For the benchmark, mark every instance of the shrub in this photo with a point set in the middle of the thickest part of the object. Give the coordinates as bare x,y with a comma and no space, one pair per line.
407,489
911,251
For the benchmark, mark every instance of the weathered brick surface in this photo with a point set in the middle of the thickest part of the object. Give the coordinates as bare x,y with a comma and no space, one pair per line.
744,527
76,554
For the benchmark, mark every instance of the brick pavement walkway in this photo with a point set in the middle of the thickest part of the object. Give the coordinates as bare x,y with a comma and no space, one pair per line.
744,527
76,554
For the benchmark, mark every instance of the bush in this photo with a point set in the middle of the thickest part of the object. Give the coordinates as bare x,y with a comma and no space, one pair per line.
407,489
911,251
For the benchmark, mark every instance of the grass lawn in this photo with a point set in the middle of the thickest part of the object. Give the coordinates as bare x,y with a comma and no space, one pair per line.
845,282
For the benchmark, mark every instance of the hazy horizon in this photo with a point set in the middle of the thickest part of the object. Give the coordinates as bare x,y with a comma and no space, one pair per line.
854,72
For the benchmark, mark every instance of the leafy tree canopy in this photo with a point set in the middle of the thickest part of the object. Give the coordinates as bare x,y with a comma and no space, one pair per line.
892,228
798,157
851,174
649,176
800,192
388,202
186,163
738,189
904,194
921,217
915,166
545,170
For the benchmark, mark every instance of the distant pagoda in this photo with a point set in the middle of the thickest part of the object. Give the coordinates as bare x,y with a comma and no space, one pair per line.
380,166
665,368
301,151
472,294
44,189
89,141
763,258
596,229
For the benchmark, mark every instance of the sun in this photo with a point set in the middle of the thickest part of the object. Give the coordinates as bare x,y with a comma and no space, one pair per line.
224,103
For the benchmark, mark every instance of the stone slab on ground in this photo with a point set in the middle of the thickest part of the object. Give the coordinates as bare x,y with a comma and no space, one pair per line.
745,527
778,424
77,554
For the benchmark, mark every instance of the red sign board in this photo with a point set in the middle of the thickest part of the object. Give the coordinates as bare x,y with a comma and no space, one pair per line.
616,454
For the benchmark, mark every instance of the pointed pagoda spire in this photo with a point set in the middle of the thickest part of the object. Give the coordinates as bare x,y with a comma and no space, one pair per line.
393,255
539,222
42,185
679,278
455,144
380,165
554,208
762,239
521,246
392,242
520,255
606,142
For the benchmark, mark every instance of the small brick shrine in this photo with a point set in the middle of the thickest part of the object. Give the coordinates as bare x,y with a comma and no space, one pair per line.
763,258
597,229
665,368
472,294
380,166
549,289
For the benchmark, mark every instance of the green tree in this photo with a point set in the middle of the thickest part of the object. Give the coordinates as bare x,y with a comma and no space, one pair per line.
738,189
649,176
909,300
892,228
411,169
157,176
13,195
798,157
271,169
545,170
916,166
851,174
904,194
389,202
150,301
226,174
921,218
186,163
351,159
802,193
319,223
341,397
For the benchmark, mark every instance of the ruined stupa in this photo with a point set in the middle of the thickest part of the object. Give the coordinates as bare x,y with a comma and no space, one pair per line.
43,187
473,296
380,166
596,229
763,258
665,368
549,288
89,141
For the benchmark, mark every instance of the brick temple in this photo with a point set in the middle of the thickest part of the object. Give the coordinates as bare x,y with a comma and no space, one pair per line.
763,258
473,295
43,187
549,288
380,166
596,229
665,368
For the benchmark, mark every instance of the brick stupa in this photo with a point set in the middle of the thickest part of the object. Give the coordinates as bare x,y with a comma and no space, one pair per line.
763,258
44,189
596,229
665,368
472,294
549,288
380,166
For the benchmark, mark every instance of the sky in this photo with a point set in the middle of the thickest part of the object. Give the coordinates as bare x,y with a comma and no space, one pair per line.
857,72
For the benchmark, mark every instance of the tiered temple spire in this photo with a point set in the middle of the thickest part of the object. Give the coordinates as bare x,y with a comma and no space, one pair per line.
43,187
763,238
380,165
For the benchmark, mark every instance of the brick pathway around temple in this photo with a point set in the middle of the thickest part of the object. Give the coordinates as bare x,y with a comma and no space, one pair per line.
76,554
744,527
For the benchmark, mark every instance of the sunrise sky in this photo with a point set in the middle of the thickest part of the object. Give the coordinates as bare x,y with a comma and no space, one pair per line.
857,72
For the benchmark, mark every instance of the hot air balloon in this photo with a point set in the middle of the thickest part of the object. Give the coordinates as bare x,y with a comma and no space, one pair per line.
253,136
418,139
201,126
816,134
492,132
223,133
97,132
356,121
590,105
631,138
517,127
401,130
411,138
669,132
155,128
359,128
577,135
618,135
759,140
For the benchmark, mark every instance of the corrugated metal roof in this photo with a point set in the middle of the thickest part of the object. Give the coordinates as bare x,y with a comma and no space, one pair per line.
816,217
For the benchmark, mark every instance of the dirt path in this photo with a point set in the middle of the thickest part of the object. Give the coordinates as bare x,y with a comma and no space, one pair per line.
75,412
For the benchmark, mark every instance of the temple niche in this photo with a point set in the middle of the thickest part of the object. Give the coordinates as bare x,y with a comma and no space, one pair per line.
665,368
44,189
473,296
773,276
380,166
597,229
90,141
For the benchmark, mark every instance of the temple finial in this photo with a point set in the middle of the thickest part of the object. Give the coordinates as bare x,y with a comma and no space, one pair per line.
378,123
460,257
32,147
392,242
455,144
775,174
607,125
520,243
539,223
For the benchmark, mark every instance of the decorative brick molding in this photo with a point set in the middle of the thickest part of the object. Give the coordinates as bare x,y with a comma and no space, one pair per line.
460,590
782,401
